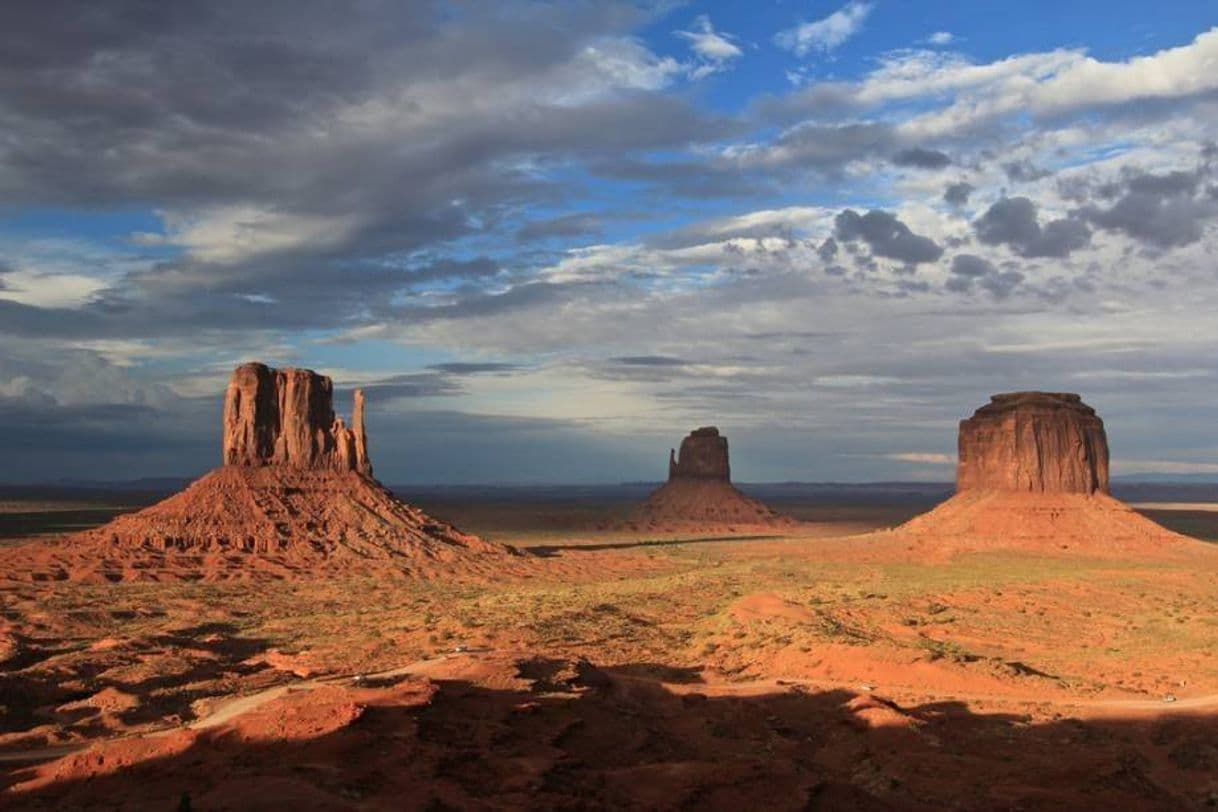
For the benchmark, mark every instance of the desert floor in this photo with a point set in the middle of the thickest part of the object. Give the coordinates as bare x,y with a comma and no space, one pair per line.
805,671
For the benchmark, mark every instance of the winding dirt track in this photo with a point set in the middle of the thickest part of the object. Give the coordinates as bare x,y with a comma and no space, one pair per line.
232,708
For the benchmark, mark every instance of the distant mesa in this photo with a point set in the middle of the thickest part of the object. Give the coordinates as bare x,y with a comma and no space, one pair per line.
295,498
1033,474
1035,442
699,495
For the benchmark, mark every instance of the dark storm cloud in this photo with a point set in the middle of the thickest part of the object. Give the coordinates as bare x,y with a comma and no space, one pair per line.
969,270
73,414
886,235
280,294
1024,171
649,361
474,367
957,194
826,147
435,447
301,152
571,225
413,385
480,304
820,99
128,93
1012,221
971,266
1163,211
827,250
921,158
694,179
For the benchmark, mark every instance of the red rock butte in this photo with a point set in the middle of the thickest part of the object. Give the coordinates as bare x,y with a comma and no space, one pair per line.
295,498
699,495
286,417
703,456
1033,474
1046,442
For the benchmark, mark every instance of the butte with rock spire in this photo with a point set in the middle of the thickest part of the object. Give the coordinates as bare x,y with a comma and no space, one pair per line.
699,494
295,497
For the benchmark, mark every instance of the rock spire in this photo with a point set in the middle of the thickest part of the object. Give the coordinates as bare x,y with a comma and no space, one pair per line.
286,417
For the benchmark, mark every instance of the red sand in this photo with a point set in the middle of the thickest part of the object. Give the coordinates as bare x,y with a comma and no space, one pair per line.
704,506
1052,523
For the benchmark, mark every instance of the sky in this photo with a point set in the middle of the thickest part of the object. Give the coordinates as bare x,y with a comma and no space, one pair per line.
548,240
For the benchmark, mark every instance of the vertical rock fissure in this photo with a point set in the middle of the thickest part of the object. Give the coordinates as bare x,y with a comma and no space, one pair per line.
286,417
1033,442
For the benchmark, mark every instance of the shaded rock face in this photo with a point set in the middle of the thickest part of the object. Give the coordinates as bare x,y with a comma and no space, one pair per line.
1039,442
286,417
703,456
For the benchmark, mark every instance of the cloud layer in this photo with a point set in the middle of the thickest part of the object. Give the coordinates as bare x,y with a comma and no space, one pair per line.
566,225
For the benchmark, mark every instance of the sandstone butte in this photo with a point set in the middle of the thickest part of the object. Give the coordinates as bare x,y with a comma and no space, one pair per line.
1033,474
295,497
1037,442
699,494
286,417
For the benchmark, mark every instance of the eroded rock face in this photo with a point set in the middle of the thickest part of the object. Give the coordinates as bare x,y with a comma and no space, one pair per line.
286,417
1042,442
703,456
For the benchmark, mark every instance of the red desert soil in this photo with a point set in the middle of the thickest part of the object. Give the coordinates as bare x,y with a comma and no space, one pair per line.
557,733
705,507
1032,643
1047,523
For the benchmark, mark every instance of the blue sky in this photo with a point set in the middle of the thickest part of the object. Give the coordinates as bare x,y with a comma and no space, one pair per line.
548,239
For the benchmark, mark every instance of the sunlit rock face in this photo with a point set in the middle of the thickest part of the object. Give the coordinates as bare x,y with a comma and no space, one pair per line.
1038,442
286,417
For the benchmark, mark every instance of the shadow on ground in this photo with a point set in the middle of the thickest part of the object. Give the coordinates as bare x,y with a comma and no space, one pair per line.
590,738
547,550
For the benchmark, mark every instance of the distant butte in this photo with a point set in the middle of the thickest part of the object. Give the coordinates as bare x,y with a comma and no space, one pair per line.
703,456
295,498
1033,474
699,494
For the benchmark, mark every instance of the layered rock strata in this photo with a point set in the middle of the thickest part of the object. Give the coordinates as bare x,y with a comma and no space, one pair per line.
286,417
1038,442
1033,476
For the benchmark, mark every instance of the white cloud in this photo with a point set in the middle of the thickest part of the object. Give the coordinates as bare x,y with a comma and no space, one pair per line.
941,38
32,287
617,63
1040,84
1164,467
826,34
714,49
232,234
926,458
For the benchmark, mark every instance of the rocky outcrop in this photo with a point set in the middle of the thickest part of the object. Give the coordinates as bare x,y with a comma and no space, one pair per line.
1038,442
699,495
1033,476
286,417
295,498
703,456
